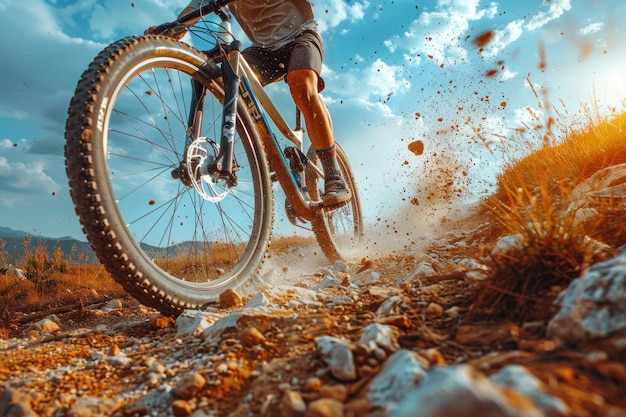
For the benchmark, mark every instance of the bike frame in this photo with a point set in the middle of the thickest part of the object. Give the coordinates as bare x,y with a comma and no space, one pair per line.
240,82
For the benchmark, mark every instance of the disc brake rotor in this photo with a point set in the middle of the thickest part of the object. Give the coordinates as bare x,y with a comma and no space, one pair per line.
207,186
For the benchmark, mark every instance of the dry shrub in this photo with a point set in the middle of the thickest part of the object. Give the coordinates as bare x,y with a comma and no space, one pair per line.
52,280
554,245
552,250
39,266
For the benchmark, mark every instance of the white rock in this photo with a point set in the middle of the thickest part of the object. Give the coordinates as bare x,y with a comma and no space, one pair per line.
453,311
381,336
92,407
297,296
337,355
460,391
119,360
594,307
401,373
340,266
366,278
431,290
16,272
468,264
382,293
601,180
507,244
46,325
518,378
340,300
391,306
422,270
239,320
259,300
329,281
113,305
194,322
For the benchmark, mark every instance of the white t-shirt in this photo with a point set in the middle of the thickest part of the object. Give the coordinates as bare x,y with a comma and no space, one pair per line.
271,23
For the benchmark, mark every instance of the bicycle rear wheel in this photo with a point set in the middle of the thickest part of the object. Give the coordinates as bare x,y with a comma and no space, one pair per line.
173,240
337,230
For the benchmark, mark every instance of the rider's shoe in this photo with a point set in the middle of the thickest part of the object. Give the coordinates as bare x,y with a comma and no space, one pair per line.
336,192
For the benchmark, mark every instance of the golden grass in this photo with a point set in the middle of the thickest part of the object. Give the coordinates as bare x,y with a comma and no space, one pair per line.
582,152
58,279
53,280
532,202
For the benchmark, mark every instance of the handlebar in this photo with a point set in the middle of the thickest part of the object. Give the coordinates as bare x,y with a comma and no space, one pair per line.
208,7
211,6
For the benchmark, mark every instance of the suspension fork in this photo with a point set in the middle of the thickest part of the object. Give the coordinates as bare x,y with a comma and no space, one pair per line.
194,121
232,77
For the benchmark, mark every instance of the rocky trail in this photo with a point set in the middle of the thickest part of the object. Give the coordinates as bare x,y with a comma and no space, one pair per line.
389,335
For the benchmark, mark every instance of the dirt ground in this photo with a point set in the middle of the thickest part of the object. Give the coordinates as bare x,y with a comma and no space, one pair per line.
247,371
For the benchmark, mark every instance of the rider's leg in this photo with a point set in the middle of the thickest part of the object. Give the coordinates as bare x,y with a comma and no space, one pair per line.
303,87
303,84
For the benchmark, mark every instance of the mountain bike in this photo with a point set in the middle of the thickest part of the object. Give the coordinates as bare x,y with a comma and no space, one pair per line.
171,155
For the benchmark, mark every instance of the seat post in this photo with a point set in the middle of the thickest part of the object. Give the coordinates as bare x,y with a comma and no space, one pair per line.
299,131
298,119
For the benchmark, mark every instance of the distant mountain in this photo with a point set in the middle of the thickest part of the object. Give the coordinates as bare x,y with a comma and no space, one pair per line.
13,250
5,232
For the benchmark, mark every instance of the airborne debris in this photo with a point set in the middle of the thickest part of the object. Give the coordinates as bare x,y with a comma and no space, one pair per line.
483,39
417,147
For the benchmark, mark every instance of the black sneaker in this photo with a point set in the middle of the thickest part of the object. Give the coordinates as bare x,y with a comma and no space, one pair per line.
336,192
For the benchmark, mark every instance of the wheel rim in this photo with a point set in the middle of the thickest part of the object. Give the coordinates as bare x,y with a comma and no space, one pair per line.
190,239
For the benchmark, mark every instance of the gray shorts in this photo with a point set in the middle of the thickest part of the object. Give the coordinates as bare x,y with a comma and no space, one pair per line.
306,51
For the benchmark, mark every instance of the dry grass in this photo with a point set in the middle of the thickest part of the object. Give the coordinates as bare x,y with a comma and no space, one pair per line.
53,280
56,279
554,245
284,244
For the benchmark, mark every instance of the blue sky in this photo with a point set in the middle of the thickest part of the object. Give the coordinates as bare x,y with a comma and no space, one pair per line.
396,72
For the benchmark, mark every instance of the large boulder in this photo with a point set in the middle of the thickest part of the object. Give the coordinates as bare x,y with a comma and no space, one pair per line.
593,309
607,183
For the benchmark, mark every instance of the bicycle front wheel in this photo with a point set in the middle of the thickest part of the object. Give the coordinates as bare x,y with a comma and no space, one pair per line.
337,230
172,238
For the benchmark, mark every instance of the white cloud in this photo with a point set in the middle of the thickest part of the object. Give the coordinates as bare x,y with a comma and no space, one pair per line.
438,34
503,38
6,144
23,178
108,19
331,13
372,86
556,10
592,28
507,74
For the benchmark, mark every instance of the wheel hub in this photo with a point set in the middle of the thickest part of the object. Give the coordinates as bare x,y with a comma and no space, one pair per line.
192,171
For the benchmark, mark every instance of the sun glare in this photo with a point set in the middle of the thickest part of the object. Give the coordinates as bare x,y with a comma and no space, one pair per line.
615,88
